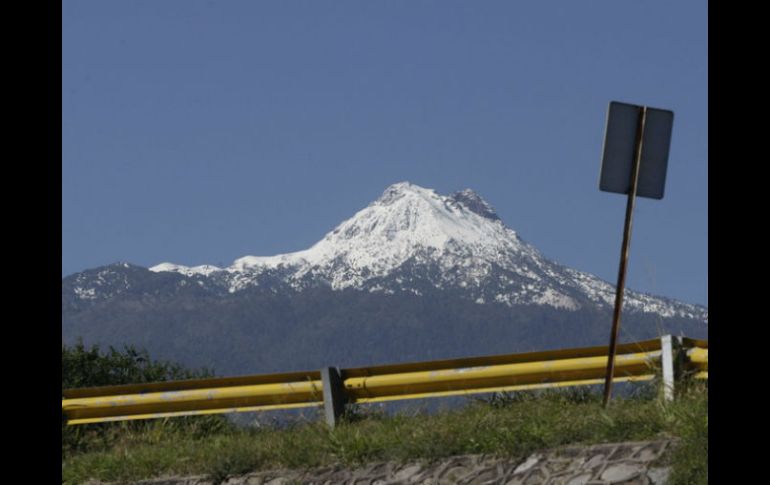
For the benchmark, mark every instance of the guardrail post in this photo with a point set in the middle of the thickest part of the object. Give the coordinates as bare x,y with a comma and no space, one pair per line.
671,363
334,395
667,363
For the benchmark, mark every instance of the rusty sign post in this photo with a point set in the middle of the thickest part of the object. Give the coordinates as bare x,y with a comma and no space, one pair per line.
634,162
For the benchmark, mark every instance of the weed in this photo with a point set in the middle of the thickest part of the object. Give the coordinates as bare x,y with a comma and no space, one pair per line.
510,425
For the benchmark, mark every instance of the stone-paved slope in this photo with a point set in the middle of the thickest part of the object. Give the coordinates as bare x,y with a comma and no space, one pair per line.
631,463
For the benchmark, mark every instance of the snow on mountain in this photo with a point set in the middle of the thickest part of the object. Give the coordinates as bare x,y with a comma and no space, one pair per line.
413,235
205,269
101,283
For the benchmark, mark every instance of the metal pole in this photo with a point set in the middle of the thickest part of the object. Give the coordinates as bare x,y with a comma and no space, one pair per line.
624,255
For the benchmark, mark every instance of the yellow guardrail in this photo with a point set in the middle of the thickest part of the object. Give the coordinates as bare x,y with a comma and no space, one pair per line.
698,356
498,377
698,362
190,397
332,387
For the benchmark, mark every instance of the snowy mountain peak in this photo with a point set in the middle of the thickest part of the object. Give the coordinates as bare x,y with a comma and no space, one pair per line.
466,199
475,203
403,189
409,212
407,222
413,239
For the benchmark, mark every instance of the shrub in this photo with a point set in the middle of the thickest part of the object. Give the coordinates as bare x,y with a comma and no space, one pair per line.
89,367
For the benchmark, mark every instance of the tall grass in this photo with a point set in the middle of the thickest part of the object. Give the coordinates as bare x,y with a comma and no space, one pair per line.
512,425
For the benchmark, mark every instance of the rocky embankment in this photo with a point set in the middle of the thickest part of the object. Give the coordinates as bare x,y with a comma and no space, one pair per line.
632,463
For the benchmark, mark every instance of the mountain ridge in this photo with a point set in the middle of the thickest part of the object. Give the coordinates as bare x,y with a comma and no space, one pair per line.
460,232
413,276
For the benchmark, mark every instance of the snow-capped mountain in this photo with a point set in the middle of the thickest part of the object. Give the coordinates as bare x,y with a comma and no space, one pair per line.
413,276
412,238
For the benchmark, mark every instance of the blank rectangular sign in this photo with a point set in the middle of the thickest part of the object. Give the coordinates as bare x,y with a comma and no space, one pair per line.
619,143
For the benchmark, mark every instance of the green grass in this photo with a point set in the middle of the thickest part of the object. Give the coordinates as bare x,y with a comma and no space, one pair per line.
512,426
690,422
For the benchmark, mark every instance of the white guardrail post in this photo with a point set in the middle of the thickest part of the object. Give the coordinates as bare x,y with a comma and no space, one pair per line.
667,363
671,363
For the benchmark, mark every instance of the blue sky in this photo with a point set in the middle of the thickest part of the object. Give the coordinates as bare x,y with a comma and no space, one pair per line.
199,132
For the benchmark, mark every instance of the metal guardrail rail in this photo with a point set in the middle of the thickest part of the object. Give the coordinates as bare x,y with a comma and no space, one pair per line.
671,357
